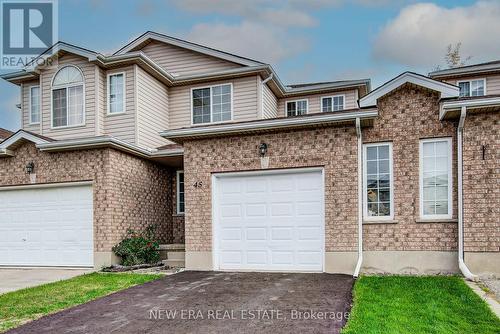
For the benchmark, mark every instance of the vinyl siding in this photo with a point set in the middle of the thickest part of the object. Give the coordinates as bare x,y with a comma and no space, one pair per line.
492,82
270,103
88,70
25,107
152,110
244,101
182,61
122,126
101,94
314,101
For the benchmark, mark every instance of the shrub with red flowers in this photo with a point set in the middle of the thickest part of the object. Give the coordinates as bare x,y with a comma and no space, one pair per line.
138,248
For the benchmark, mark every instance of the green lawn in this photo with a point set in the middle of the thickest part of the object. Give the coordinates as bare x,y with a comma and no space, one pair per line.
21,306
395,304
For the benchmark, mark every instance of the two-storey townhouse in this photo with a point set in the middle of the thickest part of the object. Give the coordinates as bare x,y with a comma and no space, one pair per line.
249,173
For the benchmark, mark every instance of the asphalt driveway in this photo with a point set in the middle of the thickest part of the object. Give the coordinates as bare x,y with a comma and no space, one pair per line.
213,302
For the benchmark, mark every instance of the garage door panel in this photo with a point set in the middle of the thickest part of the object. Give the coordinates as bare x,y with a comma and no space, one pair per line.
279,225
47,226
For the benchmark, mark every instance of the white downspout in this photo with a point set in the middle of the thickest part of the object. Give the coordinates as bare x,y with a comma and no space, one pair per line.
461,264
360,198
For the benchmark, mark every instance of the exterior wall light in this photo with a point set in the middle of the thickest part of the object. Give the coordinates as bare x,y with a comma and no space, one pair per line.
30,168
263,149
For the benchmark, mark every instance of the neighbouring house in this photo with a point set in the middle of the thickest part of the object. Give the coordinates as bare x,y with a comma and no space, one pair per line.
4,133
247,172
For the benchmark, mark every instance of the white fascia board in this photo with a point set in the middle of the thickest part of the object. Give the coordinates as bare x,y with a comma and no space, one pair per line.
19,136
473,69
61,46
446,90
189,46
95,142
268,124
469,104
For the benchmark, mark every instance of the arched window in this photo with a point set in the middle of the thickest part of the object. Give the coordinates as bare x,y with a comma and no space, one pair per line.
67,97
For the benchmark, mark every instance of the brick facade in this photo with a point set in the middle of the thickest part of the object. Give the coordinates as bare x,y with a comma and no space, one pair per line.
407,115
335,148
481,182
129,192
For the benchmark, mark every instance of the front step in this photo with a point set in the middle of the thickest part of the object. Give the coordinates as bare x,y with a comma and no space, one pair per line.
174,263
173,255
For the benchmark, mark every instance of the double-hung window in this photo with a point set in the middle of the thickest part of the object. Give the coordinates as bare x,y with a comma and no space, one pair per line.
296,108
67,98
34,104
472,88
212,104
435,178
332,103
116,93
378,182
180,192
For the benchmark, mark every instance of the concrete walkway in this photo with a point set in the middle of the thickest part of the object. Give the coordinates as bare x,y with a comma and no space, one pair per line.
15,279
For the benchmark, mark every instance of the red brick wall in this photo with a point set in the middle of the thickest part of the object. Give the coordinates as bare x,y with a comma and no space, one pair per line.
407,115
335,148
481,182
128,192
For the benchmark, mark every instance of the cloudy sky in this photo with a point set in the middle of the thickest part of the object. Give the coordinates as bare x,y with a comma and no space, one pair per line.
305,40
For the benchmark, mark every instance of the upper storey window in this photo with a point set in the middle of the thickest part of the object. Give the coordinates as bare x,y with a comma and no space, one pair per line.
116,93
34,104
67,98
296,108
472,88
332,103
212,104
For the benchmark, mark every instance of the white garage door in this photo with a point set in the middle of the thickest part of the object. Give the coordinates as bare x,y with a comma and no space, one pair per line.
271,221
46,226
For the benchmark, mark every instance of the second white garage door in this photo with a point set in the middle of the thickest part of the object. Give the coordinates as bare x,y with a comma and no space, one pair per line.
269,221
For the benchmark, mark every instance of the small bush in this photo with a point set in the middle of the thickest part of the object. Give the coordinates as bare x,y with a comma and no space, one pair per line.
138,248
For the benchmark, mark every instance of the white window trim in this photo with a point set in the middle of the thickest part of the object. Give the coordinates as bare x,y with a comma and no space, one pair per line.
39,105
470,85
177,194
331,97
366,217
52,87
299,100
211,111
108,100
450,178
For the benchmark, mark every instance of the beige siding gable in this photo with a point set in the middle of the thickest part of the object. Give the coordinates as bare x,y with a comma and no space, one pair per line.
314,101
152,110
46,76
180,61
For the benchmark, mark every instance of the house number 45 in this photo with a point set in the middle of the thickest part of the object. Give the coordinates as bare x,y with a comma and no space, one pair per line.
198,184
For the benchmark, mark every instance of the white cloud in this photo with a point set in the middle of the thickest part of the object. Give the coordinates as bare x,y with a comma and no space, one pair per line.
254,40
419,35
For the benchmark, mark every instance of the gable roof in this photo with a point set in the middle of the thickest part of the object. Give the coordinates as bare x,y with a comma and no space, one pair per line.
151,35
491,66
445,89
21,136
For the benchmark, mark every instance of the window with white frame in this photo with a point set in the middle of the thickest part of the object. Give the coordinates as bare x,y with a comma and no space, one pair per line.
472,88
116,93
212,104
378,182
435,178
180,192
296,108
34,104
67,98
332,103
